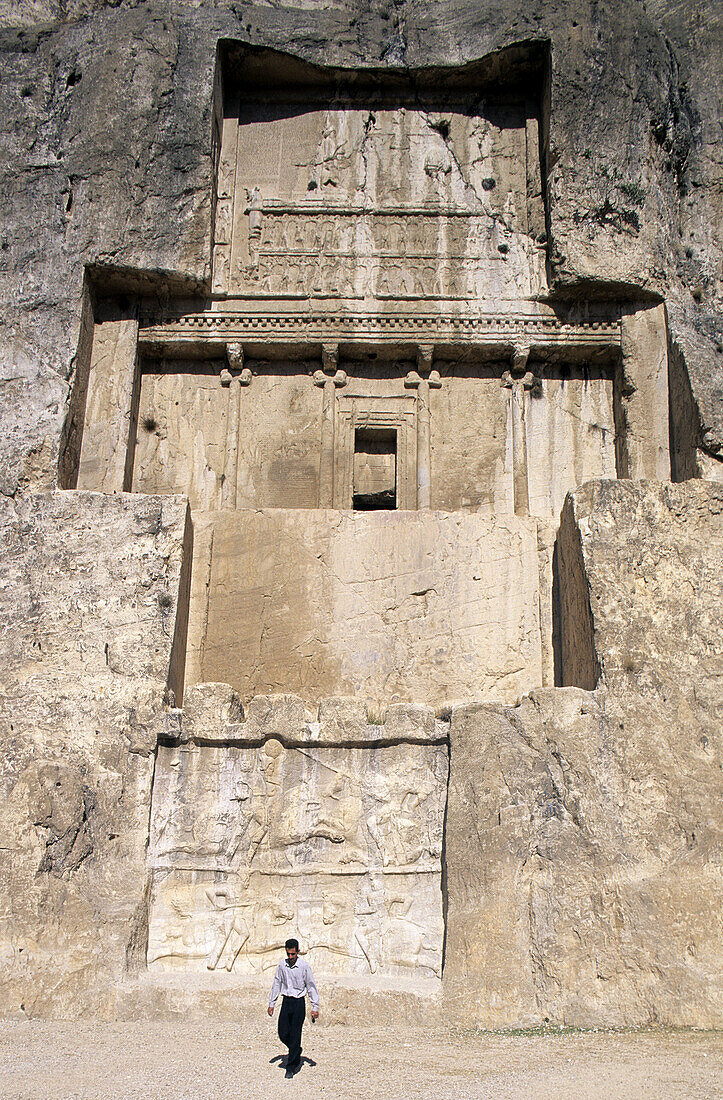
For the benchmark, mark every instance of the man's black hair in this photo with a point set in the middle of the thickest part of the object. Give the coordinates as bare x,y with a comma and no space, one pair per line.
292,943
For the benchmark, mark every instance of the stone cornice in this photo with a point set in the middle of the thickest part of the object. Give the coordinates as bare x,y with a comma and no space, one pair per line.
496,329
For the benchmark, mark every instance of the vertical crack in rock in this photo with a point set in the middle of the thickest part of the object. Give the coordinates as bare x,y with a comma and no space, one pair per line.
66,850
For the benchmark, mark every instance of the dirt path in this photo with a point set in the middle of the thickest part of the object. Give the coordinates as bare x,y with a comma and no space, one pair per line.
163,1061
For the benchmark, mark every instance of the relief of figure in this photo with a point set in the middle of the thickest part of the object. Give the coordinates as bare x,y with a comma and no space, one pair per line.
335,817
401,832
174,830
221,266
402,940
250,822
211,831
235,927
428,281
342,816
247,924
254,210
340,932
224,221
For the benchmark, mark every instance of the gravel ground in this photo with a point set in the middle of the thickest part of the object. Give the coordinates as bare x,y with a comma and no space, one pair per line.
44,1060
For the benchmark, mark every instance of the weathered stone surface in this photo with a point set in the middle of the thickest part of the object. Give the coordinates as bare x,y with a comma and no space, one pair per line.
655,610
634,186
582,864
189,413
89,594
583,840
405,272
105,455
339,846
418,607
213,714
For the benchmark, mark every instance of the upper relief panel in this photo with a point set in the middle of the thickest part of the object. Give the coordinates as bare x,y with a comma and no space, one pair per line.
379,193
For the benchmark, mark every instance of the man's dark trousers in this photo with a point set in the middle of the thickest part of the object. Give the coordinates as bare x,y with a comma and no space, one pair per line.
291,1021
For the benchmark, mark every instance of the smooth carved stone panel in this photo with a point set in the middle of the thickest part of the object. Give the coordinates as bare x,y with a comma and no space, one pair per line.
422,607
570,432
340,846
183,442
394,203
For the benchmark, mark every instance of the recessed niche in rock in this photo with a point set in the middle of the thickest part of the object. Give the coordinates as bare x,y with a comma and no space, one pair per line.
375,469
382,185
340,846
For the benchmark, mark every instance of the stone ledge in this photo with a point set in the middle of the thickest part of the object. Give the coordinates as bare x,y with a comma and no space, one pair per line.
213,714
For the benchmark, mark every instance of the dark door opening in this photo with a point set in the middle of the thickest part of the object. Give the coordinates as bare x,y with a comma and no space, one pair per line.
375,469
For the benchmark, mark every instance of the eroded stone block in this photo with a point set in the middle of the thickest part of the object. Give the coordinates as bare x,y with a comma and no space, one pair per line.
412,607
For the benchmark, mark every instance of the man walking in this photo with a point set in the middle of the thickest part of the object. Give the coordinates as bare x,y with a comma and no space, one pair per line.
293,980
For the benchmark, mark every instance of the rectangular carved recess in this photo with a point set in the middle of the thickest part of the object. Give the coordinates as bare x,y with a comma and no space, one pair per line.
338,846
358,184
362,213
375,469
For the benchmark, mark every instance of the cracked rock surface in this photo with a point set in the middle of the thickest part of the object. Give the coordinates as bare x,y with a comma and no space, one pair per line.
581,827
88,592
107,161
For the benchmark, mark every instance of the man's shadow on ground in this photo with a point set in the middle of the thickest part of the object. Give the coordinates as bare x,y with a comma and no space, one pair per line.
283,1058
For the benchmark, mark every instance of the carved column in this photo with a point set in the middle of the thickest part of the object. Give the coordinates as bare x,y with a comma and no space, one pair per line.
518,380
416,380
330,378
233,382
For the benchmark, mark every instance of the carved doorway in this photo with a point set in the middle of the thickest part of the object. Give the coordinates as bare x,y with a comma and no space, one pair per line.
375,463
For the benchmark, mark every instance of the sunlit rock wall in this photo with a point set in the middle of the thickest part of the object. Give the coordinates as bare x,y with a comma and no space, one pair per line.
89,587
583,839
420,607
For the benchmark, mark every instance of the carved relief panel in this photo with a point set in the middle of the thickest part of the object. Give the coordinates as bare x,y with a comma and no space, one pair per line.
395,202
340,846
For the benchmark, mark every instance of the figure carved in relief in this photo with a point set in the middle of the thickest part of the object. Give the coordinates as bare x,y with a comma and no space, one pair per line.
343,815
236,924
340,932
248,925
402,939
254,210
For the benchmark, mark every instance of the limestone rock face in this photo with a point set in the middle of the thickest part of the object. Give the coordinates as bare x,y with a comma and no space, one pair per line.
654,612
632,191
390,606
582,834
89,591
380,288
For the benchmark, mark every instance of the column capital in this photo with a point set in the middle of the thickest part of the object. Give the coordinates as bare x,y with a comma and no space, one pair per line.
518,359
330,357
425,357
527,381
340,378
235,355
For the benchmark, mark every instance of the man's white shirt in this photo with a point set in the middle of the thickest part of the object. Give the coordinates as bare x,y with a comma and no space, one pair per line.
294,981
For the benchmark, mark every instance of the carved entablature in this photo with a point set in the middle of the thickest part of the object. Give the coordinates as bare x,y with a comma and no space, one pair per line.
501,333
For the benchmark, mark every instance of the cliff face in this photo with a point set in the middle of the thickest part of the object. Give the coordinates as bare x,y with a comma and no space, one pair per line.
107,166
90,592
582,838
573,872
